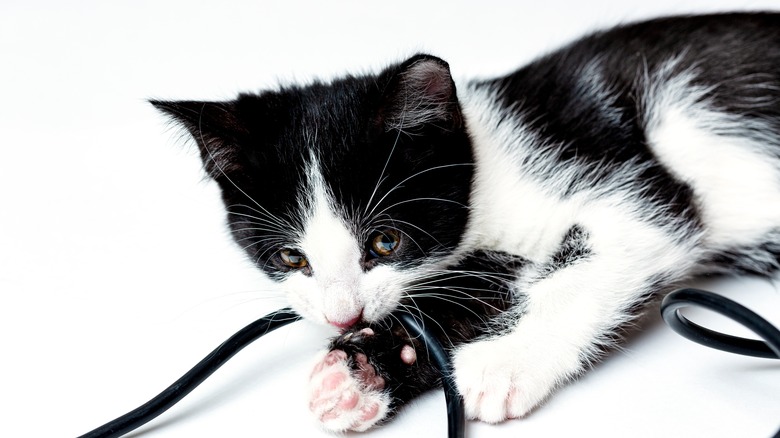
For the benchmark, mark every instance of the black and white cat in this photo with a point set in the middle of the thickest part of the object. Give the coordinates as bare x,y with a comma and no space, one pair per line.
529,217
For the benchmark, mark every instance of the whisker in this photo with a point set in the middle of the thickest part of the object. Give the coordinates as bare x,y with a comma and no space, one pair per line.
270,220
410,225
412,239
256,220
219,166
413,176
272,241
495,294
405,309
424,315
422,199
268,230
495,279
449,299
382,174
465,293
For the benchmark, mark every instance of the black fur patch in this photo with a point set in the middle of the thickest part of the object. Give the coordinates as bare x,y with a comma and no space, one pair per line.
573,248
762,259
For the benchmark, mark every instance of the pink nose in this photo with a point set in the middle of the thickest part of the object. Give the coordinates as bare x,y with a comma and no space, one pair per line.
346,324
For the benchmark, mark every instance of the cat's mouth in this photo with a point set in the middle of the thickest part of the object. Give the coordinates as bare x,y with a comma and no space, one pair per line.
344,325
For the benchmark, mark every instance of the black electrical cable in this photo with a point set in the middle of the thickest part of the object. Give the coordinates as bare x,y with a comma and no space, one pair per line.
675,301
670,310
456,418
200,372
194,377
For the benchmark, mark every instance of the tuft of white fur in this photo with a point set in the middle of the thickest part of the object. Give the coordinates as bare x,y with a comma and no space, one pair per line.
723,157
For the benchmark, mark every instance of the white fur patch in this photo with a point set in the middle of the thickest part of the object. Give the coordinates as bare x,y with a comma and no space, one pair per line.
502,185
736,182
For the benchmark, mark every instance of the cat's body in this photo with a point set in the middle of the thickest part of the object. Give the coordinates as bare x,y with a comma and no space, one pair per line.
530,217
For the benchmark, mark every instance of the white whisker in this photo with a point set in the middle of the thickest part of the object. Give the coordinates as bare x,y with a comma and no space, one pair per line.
413,176
411,225
382,177
422,199
219,166
423,317
271,221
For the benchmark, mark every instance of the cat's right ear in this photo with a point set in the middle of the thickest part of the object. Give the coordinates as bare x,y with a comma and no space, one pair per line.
421,93
215,128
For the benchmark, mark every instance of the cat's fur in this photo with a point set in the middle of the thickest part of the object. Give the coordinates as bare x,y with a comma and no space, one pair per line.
537,211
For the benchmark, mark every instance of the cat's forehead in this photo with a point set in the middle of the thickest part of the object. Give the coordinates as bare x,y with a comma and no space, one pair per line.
322,136
332,106
334,124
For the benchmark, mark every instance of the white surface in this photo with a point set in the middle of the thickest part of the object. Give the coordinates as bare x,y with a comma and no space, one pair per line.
116,270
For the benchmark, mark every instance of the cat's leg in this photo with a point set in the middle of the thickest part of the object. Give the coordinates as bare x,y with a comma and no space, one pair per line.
572,307
366,374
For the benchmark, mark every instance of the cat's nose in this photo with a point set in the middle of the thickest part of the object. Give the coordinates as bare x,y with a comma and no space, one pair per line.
346,324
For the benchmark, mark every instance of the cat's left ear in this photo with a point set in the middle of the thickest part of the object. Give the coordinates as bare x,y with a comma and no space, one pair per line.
421,93
216,129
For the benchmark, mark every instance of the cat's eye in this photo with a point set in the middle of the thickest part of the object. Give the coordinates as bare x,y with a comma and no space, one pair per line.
293,259
383,243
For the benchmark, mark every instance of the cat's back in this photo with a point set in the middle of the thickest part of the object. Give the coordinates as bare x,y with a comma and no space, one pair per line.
677,118
600,85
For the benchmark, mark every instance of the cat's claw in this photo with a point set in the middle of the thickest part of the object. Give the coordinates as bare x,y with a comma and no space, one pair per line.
347,394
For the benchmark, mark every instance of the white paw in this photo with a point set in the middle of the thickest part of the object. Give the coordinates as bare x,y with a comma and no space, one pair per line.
500,379
345,399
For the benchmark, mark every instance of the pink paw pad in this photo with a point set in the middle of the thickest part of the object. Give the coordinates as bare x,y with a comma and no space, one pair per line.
408,355
345,399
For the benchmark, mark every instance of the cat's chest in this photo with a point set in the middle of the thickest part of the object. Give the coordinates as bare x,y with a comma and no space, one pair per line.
513,214
511,210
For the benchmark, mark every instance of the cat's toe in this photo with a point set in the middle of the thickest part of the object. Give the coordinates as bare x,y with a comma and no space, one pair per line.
346,393
496,384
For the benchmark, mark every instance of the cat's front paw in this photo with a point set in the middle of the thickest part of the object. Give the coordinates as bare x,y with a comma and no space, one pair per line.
501,380
346,393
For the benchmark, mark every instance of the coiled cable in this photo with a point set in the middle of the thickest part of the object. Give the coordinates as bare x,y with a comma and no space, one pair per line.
675,301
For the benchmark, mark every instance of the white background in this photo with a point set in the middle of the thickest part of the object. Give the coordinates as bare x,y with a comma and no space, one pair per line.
116,270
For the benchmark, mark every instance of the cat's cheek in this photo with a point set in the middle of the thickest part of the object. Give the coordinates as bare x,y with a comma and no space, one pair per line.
378,307
381,291
304,297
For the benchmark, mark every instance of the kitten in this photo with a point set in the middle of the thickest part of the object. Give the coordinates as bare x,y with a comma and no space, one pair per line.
529,217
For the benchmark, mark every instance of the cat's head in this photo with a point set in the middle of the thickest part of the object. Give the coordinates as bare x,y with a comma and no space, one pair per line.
348,194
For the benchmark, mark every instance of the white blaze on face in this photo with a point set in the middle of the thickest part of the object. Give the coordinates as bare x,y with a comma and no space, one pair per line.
331,294
334,256
338,291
